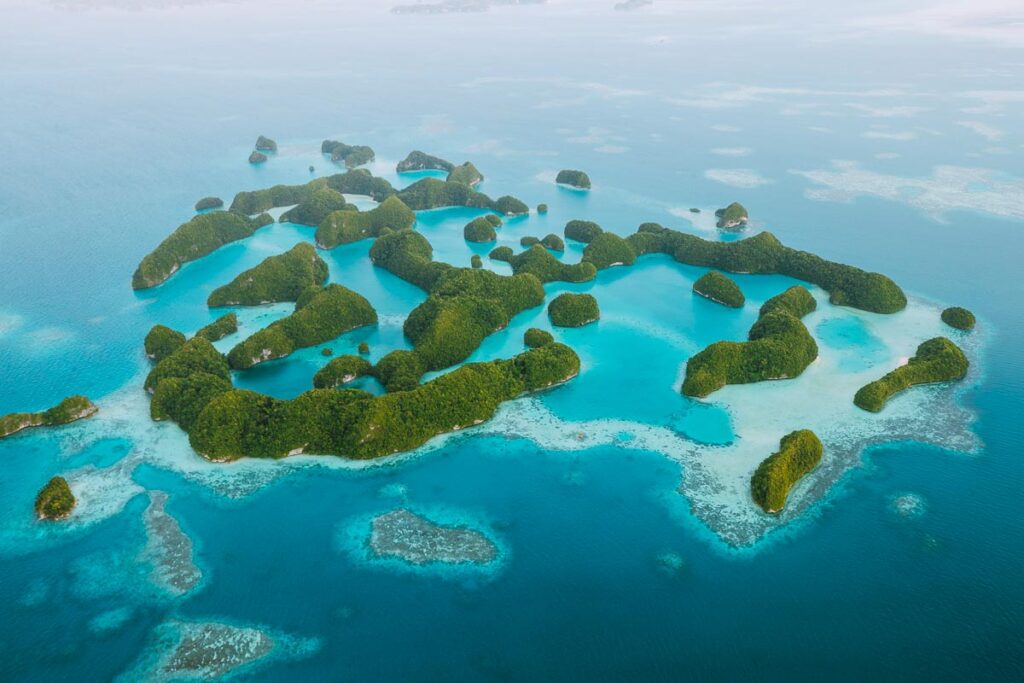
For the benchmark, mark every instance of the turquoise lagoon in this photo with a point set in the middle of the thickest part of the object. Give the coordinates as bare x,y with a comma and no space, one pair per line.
629,548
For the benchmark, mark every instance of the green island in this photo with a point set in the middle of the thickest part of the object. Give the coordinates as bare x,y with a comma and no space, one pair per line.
553,242
192,240
535,338
356,181
608,249
958,317
475,261
209,203
542,208
70,409
779,347
350,155
313,209
219,328
161,341
358,425
465,173
799,453
573,310
527,241
277,278
502,253
320,314
55,500
265,144
399,370
482,229
257,158
345,227
197,355
732,217
763,254
539,262
582,231
719,288
577,179
432,193
421,161
936,360
342,370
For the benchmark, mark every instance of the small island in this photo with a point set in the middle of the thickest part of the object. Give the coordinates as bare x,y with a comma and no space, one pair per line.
607,250
553,242
482,229
350,155
527,241
418,541
70,409
421,161
320,315
341,370
432,193
55,500
576,179
265,144
535,338
732,217
400,370
207,203
257,158
466,173
502,253
542,208
720,289
219,328
936,360
573,310
345,227
799,453
277,278
161,341
582,231
539,262
958,317
316,207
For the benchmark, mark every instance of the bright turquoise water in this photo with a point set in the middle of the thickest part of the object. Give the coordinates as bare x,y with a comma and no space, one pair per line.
112,130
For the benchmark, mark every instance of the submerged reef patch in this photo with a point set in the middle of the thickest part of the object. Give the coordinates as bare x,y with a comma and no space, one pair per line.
417,540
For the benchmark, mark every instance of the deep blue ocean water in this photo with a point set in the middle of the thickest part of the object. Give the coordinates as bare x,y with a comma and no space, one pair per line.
115,122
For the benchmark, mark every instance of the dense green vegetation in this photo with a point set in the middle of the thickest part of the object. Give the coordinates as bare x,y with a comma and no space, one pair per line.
351,155
779,347
70,409
209,203
553,242
364,348
195,355
582,231
181,399
508,205
265,144
577,179
161,341
192,240
936,360
608,249
358,425
501,254
277,278
320,315
466,173
720,289
55,500
732,216
344,227
356,181
431,193
528,241
960,318
408,255
799,453
314,209
420,161
220,328
482,229
400,370
542,208
341,370
764,254
539,262
257,158
475,261
535,338
573,310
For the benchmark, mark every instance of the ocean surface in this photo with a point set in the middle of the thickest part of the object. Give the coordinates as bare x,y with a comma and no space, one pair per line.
628,548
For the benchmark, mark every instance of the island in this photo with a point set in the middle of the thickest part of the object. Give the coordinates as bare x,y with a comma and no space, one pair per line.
416,540
313,209
320,314
553,242
420,161
732,217
364,348
207,203
535,338
400,370
55,500
277,278
502,253
350,155
779,347
539,262
70,409
194,239
432,193
257,158
355,181
542,208
196,356
265,144
607,250
576,179
720,289
345,227
475,261
342,370
219,328
465,173
582,231
528,241
573,310
482,229
958,317
936,360
161,341
799,453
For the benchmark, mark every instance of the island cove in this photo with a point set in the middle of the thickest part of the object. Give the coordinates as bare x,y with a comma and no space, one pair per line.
465,306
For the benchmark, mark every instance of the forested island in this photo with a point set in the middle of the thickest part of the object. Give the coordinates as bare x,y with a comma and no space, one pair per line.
350,155
732,217
577,179
277,278
936,360
421,161
55,500
799,453
720,289
573,310
70,409
959,317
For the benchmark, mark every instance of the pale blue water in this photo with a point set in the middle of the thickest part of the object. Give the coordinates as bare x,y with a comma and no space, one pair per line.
116,122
